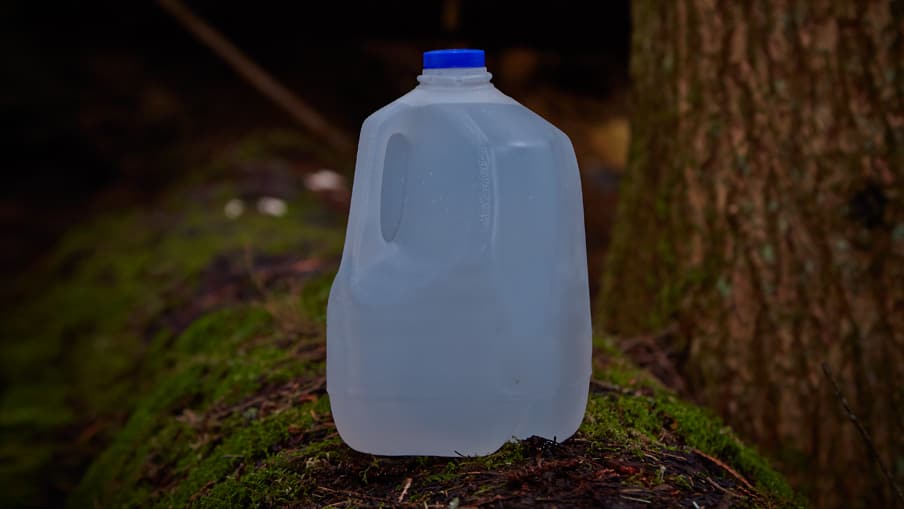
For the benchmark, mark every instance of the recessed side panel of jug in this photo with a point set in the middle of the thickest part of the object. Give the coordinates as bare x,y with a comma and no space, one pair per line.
540,267
571,296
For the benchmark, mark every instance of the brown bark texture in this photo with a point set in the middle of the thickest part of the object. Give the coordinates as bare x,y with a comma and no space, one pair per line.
762,216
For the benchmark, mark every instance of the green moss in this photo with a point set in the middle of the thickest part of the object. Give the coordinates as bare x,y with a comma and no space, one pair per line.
628,419
442,477
509,454
604,346
702,430
644,412
265,487
240,462
247,443
88,335
639,421
206,371
225,329
683,481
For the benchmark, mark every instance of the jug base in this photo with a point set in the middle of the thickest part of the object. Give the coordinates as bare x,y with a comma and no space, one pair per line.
454,427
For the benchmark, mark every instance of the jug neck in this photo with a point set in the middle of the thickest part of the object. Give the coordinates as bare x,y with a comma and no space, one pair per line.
456,77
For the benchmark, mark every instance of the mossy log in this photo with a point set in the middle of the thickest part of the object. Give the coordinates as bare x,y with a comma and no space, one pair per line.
171,356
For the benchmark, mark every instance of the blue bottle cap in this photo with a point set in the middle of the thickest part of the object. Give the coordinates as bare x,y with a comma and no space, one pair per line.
449,58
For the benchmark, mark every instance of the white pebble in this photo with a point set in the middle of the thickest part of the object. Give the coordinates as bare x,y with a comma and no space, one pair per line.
324,180
272,206
234,208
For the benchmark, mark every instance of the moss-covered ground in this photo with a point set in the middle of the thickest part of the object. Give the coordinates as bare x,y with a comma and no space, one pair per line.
169,356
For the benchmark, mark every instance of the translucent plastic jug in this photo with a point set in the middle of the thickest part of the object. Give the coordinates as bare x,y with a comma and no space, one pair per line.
460,315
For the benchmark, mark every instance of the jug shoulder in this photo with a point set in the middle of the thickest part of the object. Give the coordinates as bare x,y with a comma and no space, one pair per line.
381,115
423,96
498,116
516,125
533,121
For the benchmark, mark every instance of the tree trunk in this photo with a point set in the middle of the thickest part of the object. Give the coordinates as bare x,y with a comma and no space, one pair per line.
763,214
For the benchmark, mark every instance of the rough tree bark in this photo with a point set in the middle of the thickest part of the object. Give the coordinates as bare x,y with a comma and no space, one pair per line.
763,215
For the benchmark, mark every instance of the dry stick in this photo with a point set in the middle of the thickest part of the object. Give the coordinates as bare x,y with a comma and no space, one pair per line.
721,464
405,489
255,75
871,447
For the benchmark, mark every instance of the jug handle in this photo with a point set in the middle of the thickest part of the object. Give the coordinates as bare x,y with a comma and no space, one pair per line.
376,134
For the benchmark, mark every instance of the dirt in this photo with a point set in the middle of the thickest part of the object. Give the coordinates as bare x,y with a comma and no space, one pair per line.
560,475
232,278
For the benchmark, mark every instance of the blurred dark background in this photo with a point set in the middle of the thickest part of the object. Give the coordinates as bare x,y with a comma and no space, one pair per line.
107,106
105,102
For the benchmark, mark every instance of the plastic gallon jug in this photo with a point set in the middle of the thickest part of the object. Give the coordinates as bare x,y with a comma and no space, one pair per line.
460,315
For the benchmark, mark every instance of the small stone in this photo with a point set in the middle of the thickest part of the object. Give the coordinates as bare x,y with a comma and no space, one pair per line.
325,181
234,208
271,206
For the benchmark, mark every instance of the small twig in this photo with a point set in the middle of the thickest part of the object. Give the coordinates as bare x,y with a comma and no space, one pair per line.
719,487
484,472
405,489
870,446
727,468
255,75
635,499
673,456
